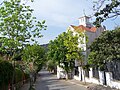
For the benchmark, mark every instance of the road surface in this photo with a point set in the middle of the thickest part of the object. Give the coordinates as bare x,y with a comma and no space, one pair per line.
48,81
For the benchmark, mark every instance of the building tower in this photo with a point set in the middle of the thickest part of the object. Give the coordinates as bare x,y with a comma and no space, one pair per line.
85,21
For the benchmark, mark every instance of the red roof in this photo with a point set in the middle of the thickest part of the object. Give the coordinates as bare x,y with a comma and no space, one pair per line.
82,28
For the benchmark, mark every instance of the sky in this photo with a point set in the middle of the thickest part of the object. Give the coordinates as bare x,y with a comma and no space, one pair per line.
60,14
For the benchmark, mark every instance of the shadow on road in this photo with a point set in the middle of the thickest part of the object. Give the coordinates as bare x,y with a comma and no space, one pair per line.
48,81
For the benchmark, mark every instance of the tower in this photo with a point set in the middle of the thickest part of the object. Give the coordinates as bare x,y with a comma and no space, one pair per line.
85,21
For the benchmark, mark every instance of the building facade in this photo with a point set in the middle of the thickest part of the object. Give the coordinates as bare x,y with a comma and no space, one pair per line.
90,32
93,75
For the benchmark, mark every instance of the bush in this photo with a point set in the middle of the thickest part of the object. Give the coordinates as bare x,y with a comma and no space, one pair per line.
6,73
18,75
26,76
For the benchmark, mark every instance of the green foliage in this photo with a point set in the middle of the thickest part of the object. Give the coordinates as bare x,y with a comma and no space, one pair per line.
18,75
6,72
64,50
35,54
26,76
106,9
17,26
51,65
105,48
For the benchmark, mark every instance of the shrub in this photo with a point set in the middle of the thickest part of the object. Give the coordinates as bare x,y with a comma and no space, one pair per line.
18,75
6,73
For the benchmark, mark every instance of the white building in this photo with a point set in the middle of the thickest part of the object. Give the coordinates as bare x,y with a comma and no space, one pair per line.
91,32
103,78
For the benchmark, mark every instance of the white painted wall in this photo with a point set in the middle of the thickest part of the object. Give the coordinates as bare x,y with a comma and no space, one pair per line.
101,77
111,82
80,77
60,72
91,79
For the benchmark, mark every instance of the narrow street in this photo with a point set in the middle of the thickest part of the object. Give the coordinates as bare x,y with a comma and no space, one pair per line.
47,81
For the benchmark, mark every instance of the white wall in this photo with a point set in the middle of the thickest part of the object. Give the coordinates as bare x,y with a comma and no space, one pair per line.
60,72
110,82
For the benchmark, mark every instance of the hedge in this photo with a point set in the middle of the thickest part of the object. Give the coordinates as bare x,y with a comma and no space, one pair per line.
6,73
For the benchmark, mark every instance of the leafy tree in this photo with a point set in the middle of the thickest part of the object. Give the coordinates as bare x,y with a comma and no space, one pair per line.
17,26
33,57
51,65
105,49
105,9
64,50
34,54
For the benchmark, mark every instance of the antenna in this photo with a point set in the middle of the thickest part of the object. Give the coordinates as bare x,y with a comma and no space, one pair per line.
84,12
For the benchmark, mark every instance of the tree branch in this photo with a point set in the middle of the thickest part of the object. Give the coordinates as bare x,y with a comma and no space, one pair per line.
1,3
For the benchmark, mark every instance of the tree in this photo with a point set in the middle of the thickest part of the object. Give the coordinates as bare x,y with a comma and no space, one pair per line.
64,50
34,54
17,26
105,9
51,65
33,57
105,49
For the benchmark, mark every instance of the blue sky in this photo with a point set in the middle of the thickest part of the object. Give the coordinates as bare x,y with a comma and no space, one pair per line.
59,14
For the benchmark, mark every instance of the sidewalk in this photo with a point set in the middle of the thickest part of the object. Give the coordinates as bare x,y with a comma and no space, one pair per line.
77,82
90,86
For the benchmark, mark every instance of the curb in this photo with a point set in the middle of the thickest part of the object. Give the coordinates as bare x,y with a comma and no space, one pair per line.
88,85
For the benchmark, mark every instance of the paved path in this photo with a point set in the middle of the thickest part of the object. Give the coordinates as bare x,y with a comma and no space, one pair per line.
47,81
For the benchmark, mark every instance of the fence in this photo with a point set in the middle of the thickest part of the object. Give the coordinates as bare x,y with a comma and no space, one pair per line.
92,76
98,77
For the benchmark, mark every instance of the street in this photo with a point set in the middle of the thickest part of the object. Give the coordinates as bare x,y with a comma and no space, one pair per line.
48,81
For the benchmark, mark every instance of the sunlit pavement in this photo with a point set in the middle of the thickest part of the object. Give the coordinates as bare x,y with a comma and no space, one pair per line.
48,81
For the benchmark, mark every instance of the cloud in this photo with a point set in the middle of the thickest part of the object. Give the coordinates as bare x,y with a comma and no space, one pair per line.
60,13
